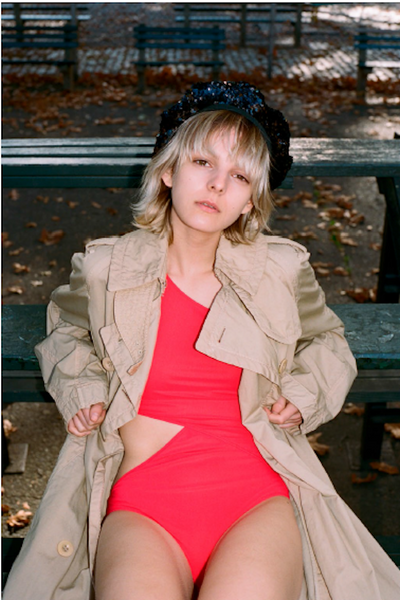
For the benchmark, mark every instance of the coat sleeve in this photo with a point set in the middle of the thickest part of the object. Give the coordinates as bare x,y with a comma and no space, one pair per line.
323,368
71,369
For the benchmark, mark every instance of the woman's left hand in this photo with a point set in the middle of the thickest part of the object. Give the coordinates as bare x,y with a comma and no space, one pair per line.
284,414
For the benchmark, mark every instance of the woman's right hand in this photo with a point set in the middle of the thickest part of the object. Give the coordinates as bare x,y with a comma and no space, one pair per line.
87,419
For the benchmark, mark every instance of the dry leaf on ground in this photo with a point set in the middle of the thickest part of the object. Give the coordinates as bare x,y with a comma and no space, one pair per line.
18,268
393,429
320,449
368,479
48,238
353,409
21,519
13,194
340,271
362,294
384,468
15,289
8,427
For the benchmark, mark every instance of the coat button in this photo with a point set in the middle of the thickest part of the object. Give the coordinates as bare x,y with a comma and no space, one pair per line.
282,366
65,548
107,364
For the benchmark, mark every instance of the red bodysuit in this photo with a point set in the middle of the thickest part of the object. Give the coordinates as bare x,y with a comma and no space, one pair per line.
210,473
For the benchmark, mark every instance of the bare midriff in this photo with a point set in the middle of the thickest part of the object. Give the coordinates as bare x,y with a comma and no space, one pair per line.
142,437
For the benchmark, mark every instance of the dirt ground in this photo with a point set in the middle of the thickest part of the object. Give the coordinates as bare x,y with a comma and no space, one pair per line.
339,220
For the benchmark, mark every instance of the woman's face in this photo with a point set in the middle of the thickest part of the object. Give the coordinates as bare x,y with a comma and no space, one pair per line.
209,191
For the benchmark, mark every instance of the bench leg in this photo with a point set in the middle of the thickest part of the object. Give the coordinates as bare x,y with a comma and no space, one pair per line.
362,75
141,80
389,269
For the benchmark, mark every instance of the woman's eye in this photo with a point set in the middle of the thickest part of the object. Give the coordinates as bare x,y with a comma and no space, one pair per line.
201,161
241,177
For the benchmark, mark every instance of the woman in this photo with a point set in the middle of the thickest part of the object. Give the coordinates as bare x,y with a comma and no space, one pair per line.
188,360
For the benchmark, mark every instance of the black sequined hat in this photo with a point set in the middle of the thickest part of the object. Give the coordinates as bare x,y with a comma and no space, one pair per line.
242,98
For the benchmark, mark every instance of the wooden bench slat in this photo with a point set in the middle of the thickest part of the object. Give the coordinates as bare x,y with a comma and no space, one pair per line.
26,160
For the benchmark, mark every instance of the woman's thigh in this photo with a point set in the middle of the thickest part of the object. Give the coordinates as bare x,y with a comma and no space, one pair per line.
139,559
259,557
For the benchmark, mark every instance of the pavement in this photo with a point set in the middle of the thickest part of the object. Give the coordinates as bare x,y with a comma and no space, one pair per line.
107,45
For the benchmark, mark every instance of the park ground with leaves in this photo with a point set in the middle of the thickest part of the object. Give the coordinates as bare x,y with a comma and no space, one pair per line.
338,220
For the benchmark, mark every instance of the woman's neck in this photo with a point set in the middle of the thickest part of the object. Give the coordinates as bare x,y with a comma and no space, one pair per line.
192,255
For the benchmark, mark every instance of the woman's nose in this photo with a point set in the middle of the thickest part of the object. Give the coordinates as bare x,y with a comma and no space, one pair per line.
217,182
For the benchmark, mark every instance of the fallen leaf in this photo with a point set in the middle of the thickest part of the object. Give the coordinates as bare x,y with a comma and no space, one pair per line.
323,265
375,246
385,468
346,240
55,218
5,509
26,506
13,194
16,252
393,429
112,211
43,199
286,218
322,272
48,238
8,427
36,283
115,190
15,289
21,519
353,409
320,449
368,479
18,268
363,294
5,241
31,224
96,205
72,204
309,204
340,271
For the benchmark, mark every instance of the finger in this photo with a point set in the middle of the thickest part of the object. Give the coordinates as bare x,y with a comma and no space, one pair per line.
72,429
96,413
290,414
279,405
79,423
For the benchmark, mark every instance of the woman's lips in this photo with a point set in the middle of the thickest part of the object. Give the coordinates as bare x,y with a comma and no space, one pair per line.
208,206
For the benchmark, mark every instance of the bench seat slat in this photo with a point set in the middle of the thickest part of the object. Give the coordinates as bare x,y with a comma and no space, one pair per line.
372,351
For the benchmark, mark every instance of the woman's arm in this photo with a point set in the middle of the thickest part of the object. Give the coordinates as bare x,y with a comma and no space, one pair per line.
323,368
71,369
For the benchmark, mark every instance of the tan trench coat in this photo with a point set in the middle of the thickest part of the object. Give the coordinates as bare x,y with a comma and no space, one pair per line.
269,318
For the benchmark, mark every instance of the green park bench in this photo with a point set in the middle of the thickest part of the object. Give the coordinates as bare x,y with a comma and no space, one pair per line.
154,44
375,40
26,37
243,14
373,330
36,27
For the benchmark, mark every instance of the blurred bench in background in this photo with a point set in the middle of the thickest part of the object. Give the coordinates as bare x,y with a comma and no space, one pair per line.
37,38
243,14
199,47
375,40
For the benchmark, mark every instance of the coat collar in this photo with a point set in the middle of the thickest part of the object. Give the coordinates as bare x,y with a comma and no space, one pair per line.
140,257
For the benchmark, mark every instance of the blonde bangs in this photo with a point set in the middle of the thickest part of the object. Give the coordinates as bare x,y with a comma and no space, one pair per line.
195,136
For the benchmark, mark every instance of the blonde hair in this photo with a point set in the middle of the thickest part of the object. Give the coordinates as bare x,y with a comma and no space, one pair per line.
249,149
